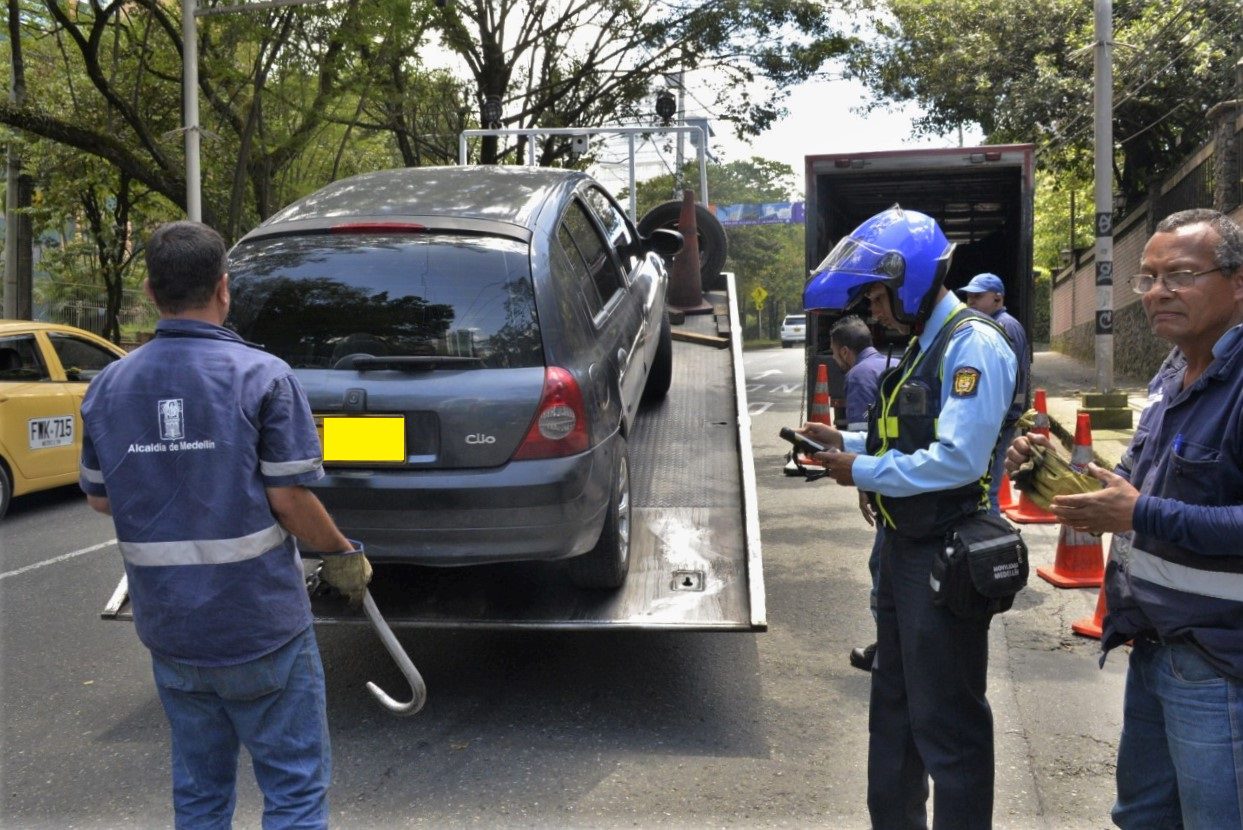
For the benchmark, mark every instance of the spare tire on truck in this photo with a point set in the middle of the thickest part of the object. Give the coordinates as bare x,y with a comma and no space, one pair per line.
712,244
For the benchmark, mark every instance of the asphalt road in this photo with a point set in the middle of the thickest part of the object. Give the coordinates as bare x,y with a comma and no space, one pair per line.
559,729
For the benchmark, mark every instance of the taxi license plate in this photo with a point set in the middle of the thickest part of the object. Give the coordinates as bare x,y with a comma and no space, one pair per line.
364,439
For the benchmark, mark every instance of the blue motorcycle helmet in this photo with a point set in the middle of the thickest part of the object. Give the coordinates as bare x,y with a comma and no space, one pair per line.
904,249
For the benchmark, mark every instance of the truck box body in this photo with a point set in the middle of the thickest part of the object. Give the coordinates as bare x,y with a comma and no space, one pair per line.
980,196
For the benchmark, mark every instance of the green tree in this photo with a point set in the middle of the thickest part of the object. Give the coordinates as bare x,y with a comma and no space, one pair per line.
1022,70
586,63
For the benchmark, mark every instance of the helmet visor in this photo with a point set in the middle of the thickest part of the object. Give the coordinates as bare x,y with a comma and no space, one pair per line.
852,264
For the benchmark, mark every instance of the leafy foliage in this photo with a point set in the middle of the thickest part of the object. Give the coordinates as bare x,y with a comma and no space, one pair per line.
1023,71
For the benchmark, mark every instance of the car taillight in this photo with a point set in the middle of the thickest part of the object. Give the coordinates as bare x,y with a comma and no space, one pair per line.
560,425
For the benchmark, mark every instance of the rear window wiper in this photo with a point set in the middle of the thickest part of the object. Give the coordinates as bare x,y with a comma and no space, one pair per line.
407,363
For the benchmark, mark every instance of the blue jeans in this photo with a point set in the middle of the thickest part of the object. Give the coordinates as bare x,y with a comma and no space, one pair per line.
1181,755
276,706
999,461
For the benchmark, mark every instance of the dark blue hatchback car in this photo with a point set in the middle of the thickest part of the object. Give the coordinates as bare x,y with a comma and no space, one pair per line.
475,343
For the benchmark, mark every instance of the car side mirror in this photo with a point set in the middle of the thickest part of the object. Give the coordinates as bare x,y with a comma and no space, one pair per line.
663,241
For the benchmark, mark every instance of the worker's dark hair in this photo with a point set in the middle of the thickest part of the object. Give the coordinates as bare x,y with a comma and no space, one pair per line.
851,332
1229,252
185,261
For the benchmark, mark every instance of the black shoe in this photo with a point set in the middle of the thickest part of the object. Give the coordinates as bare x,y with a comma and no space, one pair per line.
863,658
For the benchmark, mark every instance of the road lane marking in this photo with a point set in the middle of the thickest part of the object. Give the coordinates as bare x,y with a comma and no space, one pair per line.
758,407
61,558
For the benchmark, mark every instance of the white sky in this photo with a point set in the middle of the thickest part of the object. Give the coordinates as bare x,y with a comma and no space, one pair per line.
823,118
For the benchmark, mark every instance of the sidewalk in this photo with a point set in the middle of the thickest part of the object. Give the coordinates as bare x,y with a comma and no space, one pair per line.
1065,379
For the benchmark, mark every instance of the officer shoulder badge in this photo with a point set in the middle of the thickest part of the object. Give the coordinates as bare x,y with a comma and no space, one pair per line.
966,380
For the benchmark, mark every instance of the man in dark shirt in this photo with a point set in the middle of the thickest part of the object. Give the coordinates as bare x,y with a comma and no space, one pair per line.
850,341
986,293
1174,582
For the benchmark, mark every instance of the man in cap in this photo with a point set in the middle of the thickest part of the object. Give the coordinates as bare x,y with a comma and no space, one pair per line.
986,293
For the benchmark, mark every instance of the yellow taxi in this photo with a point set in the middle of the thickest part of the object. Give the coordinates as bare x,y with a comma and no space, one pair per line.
44,371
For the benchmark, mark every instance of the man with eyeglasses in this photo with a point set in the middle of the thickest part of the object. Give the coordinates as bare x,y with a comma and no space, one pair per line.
1174,582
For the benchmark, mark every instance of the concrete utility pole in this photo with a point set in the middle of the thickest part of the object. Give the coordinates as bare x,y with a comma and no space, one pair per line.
18,260
190,87
190,107
1103,192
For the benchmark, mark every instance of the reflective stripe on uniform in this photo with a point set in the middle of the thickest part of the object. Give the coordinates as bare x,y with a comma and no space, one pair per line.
288,468
203,551
1152,568
92,476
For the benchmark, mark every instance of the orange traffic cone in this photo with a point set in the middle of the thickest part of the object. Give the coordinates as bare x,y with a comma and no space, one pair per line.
1005,496
1091,626
1079,562
685,281
821,407
821,410
1027,511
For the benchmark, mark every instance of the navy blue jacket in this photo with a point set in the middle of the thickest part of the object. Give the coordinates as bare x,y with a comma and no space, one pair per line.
1179,573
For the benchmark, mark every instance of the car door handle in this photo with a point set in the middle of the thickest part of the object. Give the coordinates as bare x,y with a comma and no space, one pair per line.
622,354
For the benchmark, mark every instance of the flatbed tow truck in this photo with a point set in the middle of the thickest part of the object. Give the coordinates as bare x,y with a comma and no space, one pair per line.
695,542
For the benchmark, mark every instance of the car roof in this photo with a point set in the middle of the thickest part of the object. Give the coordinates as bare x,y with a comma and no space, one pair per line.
23,326
482,195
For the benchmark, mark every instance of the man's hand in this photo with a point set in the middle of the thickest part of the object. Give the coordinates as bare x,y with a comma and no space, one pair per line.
1105,511
838,465
348,573
821,434
1020,451
865,507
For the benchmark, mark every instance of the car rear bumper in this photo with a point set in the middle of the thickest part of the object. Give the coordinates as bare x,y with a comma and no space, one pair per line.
525,510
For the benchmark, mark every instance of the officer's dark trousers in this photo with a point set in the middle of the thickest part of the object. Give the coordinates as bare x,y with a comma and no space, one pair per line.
929,716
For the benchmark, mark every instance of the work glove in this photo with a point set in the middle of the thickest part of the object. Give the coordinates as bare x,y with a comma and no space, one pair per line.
1046,475
348,572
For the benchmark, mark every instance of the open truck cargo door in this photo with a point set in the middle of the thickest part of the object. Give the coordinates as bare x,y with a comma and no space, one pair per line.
696,560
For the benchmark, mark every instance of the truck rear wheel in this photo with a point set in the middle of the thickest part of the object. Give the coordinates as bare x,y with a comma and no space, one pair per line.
606,565
713,246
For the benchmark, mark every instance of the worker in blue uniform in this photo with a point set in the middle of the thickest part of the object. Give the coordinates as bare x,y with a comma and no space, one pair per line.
850,343
987,293
1174,580
926,457
199,445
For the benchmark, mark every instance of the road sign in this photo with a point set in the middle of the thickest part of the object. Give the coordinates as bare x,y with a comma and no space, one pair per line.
759,295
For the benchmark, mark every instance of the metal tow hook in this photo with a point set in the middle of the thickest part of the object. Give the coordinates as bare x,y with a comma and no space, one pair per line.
417,686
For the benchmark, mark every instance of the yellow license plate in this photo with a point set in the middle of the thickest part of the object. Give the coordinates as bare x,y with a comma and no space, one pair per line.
374,439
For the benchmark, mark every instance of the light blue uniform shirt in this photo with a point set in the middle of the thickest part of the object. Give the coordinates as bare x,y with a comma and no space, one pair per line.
967,427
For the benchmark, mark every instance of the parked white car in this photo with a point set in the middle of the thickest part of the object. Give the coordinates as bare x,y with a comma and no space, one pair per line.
793,330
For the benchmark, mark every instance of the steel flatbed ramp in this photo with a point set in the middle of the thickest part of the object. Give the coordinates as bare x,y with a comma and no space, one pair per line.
696,559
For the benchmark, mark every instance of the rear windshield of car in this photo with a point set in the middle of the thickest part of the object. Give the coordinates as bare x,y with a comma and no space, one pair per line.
796,320
316,300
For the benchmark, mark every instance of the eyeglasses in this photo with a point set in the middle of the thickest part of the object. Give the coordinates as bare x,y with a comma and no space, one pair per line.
1173,281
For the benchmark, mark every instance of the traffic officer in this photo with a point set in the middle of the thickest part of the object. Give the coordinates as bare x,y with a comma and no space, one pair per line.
926,457
198,445
1174,581
987,293
850,342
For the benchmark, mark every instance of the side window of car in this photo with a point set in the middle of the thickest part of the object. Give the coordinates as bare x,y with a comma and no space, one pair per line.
20,359
570,272
81,360
594,252
621,235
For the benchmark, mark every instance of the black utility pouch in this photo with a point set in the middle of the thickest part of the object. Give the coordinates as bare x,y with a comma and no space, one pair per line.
981,567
